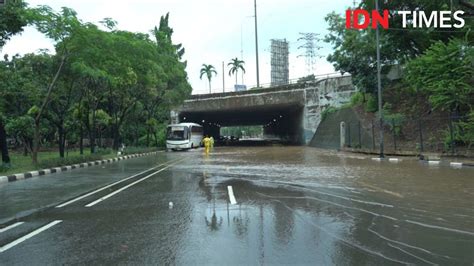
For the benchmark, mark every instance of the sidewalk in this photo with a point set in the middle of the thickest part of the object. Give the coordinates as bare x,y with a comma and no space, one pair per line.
22,198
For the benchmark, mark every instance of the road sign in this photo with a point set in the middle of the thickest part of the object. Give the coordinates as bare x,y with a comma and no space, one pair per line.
240,87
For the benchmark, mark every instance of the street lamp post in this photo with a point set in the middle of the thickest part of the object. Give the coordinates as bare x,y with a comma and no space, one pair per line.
379,85
223,78
256,44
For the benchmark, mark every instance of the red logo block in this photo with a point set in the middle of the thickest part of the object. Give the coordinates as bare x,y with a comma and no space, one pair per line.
361,19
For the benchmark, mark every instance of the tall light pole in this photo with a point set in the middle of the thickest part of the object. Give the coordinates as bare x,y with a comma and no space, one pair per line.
256,43
379,84
223,77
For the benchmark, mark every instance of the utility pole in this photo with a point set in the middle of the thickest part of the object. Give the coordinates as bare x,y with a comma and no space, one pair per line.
223,77
242,48
379,85
256,44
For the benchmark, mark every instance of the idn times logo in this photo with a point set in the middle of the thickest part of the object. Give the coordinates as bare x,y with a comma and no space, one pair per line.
362,19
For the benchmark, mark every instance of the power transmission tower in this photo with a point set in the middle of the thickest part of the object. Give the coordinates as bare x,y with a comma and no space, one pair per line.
310,46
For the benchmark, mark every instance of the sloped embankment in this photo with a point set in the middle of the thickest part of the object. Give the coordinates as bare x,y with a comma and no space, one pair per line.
327,134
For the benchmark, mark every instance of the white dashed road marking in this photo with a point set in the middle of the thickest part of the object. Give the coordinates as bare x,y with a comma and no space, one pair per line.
11,227
129,185
28,236
231,195
106,187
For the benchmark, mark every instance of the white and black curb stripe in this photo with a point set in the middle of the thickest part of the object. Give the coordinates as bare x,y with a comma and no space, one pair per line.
456,165
16,177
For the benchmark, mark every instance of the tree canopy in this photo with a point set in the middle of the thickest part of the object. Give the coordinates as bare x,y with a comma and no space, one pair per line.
355,50
96,84
12,19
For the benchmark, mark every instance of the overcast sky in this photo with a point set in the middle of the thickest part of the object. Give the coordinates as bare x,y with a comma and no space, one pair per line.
212,31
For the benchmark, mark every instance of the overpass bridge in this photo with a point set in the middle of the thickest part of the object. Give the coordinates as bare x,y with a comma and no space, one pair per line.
290,112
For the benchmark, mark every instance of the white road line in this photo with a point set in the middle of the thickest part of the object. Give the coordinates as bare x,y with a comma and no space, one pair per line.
106,187
231,195
11,227
455,165
129,185
28,236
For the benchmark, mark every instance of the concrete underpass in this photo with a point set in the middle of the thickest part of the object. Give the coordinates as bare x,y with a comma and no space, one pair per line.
283,122
290,113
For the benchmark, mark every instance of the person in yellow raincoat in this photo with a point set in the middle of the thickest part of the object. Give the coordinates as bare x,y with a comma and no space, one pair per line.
212,142
207,144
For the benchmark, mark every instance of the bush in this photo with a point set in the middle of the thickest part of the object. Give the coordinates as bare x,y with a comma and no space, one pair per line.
327,111
467,128
57,162
463,132
371,104
4,168
357,99
104,151
161,135
393,120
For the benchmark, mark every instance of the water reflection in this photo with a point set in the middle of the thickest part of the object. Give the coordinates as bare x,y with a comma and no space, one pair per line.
241,223
284,222
213,223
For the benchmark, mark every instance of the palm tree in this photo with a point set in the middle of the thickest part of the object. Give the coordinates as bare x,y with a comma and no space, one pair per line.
236,65
208,70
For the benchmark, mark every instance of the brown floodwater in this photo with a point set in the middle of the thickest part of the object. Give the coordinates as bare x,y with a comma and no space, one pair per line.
309,205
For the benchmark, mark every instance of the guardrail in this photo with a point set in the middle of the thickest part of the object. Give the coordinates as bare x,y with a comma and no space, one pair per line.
292,84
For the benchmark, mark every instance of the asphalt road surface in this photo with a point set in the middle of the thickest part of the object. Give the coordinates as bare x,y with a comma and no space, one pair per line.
252,206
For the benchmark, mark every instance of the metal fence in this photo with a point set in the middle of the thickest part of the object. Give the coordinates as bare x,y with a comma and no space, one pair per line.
415,135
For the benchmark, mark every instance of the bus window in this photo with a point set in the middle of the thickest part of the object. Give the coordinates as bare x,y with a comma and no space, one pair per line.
195,129
177,133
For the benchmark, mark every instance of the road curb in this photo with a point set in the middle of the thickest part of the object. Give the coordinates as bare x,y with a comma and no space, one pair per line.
456,165
42,172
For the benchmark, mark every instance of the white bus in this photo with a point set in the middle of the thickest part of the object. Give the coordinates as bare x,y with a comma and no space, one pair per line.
184,136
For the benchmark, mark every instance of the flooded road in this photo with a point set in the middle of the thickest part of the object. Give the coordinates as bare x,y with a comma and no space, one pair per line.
266,205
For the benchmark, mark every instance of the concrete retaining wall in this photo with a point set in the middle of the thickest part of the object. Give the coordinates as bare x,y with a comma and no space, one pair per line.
328,133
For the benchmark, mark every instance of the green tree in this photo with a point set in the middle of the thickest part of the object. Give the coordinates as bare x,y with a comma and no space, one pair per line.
236,65
60,111
445,74
103,120
121,85
208,70
354,51
89,63
21,128
12,21
58,27
408,43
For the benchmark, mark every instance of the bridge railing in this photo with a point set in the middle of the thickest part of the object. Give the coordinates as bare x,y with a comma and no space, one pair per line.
301,80
292,84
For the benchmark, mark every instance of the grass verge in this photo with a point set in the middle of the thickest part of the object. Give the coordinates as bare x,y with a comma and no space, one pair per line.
50,159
